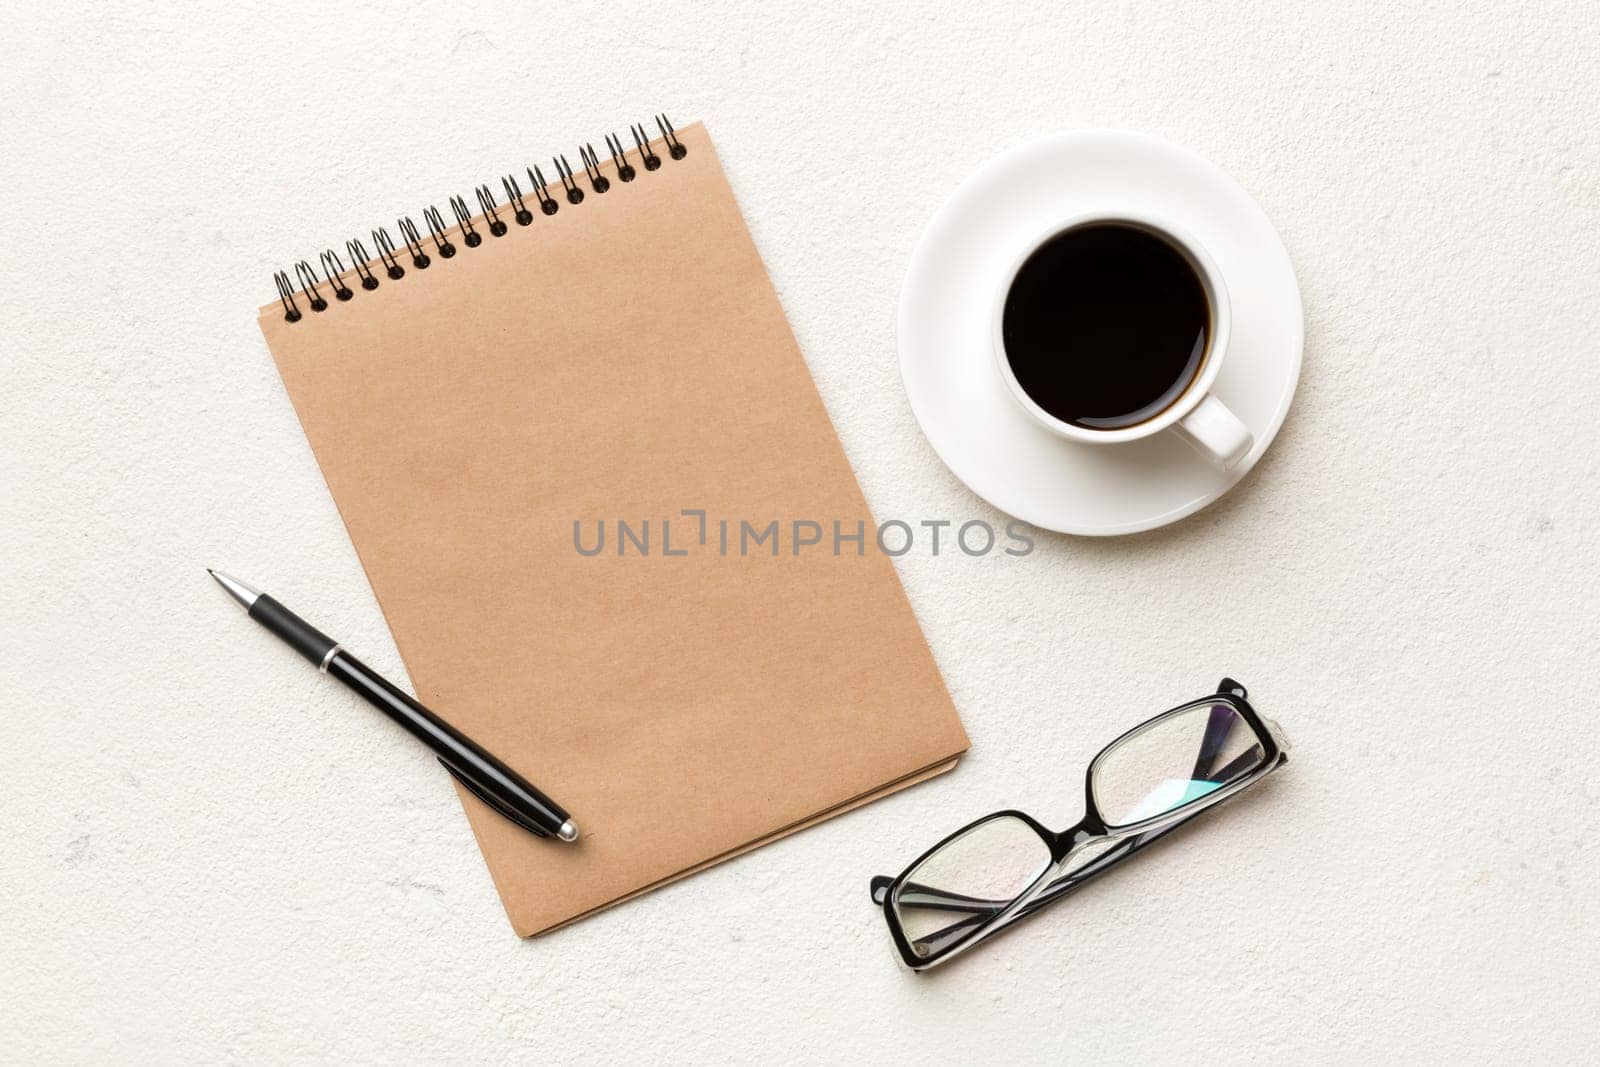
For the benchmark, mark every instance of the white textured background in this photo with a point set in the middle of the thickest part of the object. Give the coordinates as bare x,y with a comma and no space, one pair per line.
212,853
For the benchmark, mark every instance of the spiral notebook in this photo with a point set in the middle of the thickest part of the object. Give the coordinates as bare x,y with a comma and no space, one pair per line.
594,352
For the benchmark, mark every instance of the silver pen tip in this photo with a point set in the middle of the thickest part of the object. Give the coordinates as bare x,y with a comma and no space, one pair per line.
236,589
568,831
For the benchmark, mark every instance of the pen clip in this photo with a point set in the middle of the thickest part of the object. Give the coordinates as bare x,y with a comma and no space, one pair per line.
493,801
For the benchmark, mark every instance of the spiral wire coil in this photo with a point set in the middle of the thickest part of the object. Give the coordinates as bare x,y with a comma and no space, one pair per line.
305,285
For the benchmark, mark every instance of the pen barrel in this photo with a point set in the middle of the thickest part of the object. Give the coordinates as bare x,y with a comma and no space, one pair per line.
484,775
298,634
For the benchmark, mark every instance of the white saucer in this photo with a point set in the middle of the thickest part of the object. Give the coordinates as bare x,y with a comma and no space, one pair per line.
948,364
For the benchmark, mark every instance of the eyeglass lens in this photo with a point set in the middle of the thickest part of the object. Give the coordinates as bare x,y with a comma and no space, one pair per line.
1174,761
971,878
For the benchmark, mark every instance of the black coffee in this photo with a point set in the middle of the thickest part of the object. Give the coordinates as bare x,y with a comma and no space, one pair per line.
1106,325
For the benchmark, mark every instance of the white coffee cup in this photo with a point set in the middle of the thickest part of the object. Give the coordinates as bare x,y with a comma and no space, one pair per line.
1196,415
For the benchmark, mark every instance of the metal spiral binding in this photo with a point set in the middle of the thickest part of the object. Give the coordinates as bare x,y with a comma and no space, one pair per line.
359,259
675,147
469,232
591,166
514,198
541,189
441,236
385,243
642,139
333,271
625,171
486,201
564,170
408,230
309,285
291,310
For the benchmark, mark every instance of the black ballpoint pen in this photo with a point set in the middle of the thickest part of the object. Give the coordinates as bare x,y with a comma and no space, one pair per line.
491,781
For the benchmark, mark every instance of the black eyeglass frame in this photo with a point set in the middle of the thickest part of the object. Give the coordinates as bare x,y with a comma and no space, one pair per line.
1054,882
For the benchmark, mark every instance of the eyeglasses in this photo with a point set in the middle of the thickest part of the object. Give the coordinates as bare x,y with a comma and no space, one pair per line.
1146,783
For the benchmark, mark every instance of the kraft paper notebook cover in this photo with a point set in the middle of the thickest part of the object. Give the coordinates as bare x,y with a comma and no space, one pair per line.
622,358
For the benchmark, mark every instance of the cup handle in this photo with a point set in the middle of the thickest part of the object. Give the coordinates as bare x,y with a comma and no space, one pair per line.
1216,433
